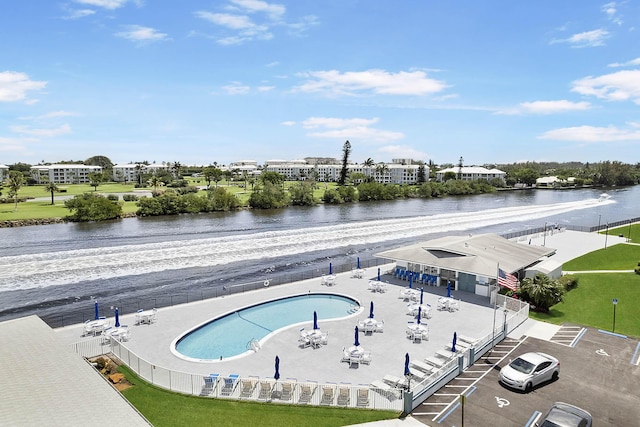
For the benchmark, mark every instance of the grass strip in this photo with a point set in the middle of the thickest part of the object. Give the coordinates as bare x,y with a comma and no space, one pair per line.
166,408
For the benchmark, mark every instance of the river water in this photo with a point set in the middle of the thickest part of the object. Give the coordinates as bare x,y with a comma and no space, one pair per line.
55,270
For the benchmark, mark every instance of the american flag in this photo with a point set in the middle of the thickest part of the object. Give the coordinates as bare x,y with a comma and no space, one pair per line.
507,280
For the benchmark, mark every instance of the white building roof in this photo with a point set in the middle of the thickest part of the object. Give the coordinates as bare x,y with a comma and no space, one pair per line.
478,255
471,170
45,383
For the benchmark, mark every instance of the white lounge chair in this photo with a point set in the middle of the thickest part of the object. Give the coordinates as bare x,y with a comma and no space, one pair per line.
266,388
328,394
306,392
288,388
344,394
248,386
363,397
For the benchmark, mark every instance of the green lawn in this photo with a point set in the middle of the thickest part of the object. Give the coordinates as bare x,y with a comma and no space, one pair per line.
624,231
590,304
41,210
164,408
616,257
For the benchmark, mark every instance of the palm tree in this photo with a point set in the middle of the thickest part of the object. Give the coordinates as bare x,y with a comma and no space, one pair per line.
369,162
14,182
177,167
51,187
155,182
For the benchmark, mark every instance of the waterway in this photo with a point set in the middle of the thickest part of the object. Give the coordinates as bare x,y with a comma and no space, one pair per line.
59,268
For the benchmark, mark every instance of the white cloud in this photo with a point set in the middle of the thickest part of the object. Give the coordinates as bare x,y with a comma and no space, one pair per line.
236,88
288,123
274,11
11,144
14,86
333,123
593,134
106,4
586,39
379,82
611,11
246,29
352,129
619,86
42,133
138,33
265,88
79,13
402,152
546,107
54,114
632,63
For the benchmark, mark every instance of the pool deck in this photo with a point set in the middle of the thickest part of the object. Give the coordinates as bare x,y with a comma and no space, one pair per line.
474,319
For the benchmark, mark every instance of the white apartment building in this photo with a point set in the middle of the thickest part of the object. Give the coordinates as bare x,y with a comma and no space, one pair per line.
4,172
383,173
129,172
249,167
472,173
63,173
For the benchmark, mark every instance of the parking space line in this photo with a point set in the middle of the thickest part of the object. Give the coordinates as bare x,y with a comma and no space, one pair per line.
449,412
635,353
602,331
533,419
579,337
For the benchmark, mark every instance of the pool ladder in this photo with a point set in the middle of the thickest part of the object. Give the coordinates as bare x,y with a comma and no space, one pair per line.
253,344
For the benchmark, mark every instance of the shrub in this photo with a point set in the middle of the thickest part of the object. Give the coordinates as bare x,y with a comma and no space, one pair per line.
129,197
113,197
568,282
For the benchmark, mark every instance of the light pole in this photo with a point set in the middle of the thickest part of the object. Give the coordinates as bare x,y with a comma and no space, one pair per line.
599,218
544,239
606,236
629,233
615,303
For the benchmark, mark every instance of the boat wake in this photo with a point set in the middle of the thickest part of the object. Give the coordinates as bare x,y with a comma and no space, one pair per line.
76,266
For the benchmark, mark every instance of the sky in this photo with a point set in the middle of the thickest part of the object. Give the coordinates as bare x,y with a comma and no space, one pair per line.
198,82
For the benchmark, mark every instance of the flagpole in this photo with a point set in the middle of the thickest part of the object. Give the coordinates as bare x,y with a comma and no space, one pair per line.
495,307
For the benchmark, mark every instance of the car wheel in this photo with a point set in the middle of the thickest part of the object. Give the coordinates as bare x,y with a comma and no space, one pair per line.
528,387
554,376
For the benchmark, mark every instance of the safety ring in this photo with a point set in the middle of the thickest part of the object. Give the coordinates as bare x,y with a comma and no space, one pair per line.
266,282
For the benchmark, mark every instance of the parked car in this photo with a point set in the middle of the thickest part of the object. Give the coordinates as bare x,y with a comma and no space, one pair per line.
529,370
565,415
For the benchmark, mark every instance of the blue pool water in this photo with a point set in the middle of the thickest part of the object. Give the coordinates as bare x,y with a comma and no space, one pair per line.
229,335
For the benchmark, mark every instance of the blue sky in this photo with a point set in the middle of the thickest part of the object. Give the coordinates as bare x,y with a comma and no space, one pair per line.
220,81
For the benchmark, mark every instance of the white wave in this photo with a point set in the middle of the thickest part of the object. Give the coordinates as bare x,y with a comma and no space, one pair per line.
76,266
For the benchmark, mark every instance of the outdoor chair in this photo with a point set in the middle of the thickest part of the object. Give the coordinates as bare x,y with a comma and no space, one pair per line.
248,386
265,390
354,360
306,392
344,394
287,390
230,384
328,392
363,397
345,355
366,358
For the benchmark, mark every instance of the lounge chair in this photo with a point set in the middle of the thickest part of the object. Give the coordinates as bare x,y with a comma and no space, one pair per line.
230,384
395,381
248,386
324,338
354,360
328,394
210,383
424,367
287,389
306,392
266,388
384,389
363,397
344,394
345,355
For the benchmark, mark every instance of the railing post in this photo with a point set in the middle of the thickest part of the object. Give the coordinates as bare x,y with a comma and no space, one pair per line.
408,402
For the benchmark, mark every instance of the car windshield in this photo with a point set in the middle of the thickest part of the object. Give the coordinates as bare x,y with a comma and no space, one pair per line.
522,365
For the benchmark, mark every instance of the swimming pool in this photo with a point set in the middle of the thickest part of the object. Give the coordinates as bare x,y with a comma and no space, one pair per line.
229,335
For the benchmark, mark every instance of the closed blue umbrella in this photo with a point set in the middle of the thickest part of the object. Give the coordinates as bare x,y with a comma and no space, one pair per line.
315,320
356,341
330,268
453,344
378,274
410,280
97,313
448,289
407,371
358,263
419,314
371,310
421,295
117,318
277,374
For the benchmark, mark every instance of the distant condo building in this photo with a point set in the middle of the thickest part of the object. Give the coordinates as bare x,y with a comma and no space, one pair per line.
404,171
63,173
4,172
471,173
129,172
250,167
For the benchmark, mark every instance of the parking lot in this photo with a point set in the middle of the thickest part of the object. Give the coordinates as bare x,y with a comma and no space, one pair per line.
599,373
